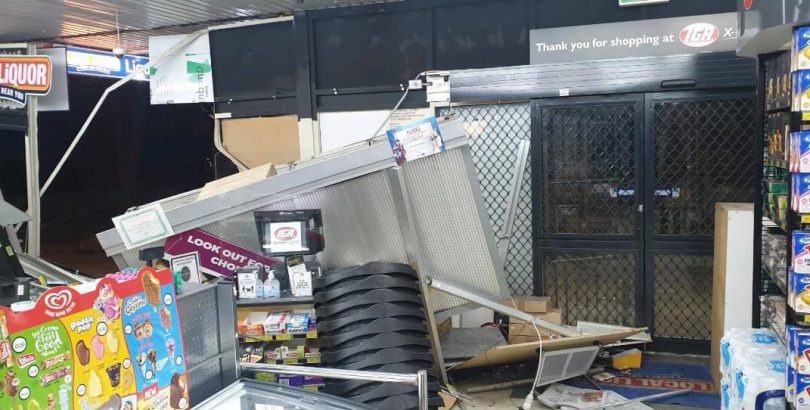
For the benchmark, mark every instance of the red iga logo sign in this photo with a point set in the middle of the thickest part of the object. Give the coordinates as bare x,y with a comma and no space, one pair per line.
699,35
285,234
21,76
748,4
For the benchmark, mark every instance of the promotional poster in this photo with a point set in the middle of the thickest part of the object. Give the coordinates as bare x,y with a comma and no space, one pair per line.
117,347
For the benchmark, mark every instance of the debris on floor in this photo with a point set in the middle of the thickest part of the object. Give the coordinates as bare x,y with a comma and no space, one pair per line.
562,396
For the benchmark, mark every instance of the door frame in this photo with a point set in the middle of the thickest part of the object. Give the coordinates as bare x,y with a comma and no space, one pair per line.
579,243
646,243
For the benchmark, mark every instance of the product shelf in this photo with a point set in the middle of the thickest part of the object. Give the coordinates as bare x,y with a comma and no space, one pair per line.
286,299
780,282
778,110
312,334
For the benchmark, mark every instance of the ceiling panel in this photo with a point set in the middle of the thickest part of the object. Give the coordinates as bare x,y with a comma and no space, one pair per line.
91,23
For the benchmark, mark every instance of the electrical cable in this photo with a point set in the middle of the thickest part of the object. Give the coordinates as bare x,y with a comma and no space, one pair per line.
396,107
527,403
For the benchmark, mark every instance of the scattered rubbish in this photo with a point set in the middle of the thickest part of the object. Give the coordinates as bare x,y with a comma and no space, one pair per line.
628,359
567,397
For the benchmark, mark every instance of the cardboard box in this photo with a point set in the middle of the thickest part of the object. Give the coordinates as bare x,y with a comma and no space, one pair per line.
253,324
276,322
553,315
523,332
530,304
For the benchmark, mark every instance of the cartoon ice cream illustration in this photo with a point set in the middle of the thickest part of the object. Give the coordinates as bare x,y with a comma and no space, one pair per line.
166,318
108,303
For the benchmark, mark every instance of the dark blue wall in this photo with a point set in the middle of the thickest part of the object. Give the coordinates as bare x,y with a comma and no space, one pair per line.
357,57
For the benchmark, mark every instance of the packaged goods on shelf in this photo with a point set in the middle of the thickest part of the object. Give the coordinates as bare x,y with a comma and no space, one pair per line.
800,192
752,362
800,52
800,151
298,321
276,322
801,90
801,252
253,324
799,292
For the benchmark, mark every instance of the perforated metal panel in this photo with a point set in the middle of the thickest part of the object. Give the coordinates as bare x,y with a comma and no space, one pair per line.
683,296
496,132
443,198
592,286
359,216
704,151
208,320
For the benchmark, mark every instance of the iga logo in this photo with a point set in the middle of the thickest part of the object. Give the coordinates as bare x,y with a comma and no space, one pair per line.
748,4
58,300
285,234
699,35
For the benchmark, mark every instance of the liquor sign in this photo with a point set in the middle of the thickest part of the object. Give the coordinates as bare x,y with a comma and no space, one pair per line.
96,63
24,75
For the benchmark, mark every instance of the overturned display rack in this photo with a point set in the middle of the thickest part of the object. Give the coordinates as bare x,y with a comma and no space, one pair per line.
428,213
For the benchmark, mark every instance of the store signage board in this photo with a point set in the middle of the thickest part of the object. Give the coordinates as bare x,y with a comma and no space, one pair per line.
57,99
216,256
644,38
97,63
143,226
24,75
630,3
416,140
183,78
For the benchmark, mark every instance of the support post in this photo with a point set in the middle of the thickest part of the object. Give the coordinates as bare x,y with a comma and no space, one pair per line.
32,173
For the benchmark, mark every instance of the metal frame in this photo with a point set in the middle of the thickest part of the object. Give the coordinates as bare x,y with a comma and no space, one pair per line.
576,243
413,250
420,379
332,168
519,172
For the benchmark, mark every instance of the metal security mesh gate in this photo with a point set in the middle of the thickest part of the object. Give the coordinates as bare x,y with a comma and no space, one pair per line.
702,148
571,277
587,171
702,156
624,204
496,132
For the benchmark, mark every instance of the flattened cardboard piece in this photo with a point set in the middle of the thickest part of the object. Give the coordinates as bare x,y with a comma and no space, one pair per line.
528,351
257,141
223,185
118,345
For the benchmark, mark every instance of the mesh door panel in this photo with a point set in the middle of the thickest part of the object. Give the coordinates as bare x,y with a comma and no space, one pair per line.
588,175
593,286
683,296
703,154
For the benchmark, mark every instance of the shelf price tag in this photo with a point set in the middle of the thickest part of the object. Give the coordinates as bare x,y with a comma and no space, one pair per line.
313,360
284,336
312,334
290,361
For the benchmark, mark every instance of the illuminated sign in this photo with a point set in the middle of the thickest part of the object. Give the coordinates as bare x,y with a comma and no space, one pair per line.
22,75
84,61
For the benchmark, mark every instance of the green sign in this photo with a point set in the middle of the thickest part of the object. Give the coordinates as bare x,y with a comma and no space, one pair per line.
628,3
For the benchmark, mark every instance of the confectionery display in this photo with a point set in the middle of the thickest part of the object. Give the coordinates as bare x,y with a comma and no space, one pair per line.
117,346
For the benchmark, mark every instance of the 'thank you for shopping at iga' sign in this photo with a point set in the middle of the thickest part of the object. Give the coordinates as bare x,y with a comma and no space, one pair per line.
644,38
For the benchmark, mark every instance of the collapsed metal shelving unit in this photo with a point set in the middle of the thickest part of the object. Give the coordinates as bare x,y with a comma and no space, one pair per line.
427,213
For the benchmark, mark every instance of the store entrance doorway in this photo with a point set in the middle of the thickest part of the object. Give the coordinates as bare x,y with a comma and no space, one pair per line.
624,189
